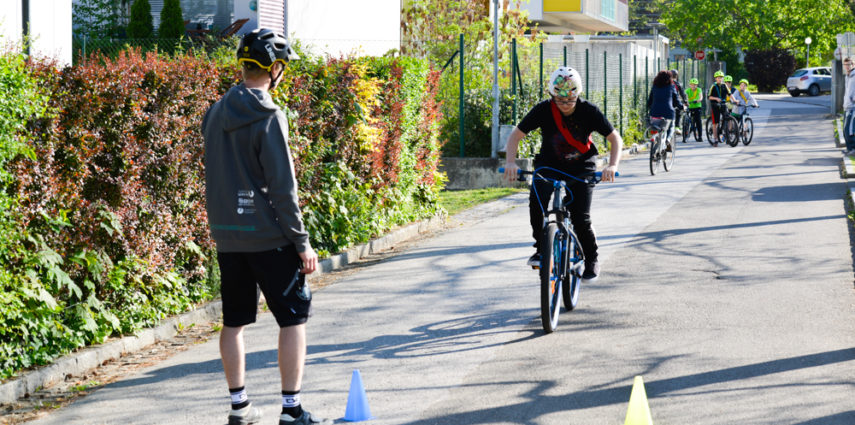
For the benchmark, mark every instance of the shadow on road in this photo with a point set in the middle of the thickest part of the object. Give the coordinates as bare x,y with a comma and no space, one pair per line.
541,402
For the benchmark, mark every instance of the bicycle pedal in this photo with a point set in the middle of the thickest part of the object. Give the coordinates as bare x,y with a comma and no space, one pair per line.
535,267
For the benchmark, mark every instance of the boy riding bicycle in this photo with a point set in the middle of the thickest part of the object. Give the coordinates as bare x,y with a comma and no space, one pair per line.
566,122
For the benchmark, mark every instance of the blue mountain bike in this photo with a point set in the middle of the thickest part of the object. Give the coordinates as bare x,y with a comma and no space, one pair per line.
562,261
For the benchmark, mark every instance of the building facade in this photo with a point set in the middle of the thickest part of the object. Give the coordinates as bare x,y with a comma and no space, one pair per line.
47,23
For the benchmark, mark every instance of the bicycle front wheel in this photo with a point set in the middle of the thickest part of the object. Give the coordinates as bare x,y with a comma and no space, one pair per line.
573,275
655,155
554,248
730,128
709,130
747,131
687,126
668,154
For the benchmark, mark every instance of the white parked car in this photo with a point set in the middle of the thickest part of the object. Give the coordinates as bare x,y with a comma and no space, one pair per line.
809,80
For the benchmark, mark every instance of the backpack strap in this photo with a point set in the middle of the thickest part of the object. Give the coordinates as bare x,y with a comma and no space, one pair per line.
556,115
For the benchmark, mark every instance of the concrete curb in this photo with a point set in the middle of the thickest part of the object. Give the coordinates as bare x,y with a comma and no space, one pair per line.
91,357
847,170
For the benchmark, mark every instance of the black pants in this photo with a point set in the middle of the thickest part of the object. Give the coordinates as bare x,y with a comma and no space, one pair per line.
580,213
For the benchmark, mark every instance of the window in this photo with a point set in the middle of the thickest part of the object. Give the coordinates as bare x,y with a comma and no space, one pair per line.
607,9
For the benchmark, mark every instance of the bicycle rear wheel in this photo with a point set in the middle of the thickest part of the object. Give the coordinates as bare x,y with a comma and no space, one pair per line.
554,247
655,155
747,132
670,149
573,277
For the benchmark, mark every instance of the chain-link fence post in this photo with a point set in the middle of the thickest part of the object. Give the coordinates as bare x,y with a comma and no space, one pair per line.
620,87
461,113
541,70
514,78
586,73
605,85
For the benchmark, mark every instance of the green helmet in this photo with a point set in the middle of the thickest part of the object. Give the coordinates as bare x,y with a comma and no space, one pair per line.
718,74
728,79
743,81
693,81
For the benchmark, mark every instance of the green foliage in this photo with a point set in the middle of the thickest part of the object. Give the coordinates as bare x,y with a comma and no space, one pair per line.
364,132
431,29
171,21
141,25
769,69
757,24
102,207
108,200
98,18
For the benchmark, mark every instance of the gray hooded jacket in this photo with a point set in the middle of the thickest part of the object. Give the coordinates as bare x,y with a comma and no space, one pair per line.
249,175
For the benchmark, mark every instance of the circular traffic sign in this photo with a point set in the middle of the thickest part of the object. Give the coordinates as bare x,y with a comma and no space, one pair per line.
699,55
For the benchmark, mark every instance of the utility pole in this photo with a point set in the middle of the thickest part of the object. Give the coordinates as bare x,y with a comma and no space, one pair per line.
656,26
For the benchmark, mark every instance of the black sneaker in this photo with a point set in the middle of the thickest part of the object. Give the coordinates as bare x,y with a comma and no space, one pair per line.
592,271
305,419
534,260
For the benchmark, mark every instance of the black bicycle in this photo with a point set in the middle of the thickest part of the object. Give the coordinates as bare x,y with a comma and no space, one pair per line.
662,148
746,127
562,261
727,128
686,124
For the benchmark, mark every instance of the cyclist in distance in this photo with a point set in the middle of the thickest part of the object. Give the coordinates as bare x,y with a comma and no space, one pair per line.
566,121
663,102
743,98
718,95
675,75
695,96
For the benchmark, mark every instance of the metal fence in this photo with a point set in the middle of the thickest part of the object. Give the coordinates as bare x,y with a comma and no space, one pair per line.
617,80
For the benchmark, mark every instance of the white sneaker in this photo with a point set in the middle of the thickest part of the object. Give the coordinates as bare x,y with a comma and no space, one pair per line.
246,416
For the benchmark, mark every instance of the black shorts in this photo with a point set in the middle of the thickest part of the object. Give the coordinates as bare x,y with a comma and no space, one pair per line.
276,273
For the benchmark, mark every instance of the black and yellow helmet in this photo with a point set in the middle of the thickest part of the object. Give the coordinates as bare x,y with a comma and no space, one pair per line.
264,47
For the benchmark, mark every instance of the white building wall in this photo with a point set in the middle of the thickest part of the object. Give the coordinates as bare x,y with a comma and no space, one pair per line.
10,22
50,27
341,27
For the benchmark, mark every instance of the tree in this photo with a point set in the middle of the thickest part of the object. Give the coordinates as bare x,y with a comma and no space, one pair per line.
171,20
769,68
141,25
98,18
641,14
757,24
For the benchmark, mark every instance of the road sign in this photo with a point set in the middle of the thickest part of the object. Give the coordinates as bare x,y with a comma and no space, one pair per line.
699,55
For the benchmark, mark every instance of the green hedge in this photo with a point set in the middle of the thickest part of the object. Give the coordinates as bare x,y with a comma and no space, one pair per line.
104,184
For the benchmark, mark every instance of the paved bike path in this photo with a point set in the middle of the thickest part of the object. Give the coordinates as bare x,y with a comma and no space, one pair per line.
704,293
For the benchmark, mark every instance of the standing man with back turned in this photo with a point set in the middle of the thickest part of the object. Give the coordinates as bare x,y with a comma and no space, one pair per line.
255,220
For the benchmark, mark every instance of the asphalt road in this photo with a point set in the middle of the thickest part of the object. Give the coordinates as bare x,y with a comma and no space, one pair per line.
726,283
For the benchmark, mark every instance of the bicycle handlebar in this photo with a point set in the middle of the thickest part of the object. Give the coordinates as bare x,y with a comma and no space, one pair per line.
598,175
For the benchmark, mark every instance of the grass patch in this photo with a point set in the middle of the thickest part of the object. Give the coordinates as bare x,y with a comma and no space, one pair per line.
455,201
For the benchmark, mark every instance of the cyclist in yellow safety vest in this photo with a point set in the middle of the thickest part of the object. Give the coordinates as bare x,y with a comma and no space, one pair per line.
695,97
743,99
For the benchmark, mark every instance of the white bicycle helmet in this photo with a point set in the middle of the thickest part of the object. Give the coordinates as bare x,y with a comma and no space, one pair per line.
565,81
